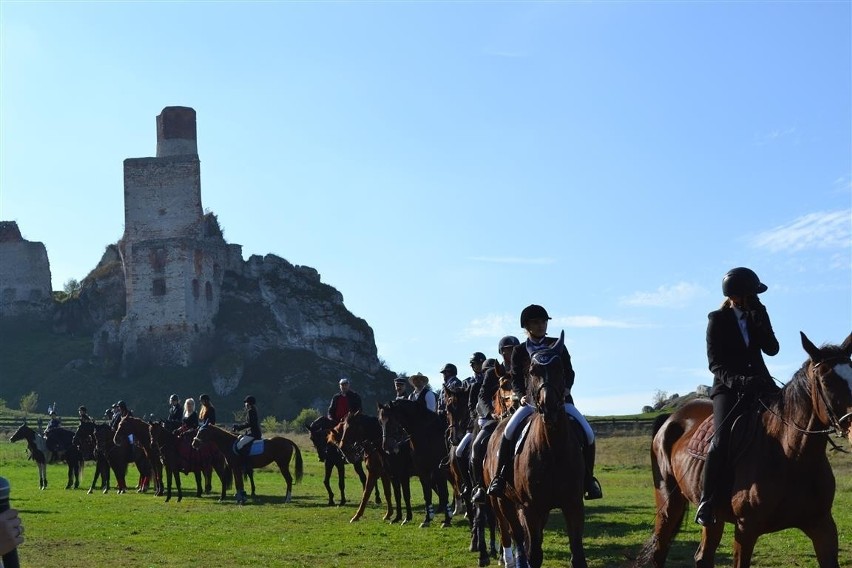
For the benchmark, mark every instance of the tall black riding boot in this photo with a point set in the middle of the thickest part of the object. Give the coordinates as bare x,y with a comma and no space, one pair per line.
505,469
704,515
592,485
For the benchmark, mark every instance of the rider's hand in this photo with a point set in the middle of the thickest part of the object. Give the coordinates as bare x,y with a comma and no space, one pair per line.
524,400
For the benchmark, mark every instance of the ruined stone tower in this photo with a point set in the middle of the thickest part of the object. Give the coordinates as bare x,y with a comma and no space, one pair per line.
173,255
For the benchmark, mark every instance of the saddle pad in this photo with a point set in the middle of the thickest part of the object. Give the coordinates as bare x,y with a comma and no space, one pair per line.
700,441
255,450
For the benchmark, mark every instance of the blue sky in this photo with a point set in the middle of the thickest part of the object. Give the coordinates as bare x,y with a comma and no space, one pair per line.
444,165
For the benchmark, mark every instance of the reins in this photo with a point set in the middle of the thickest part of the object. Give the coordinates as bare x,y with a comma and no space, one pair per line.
835,424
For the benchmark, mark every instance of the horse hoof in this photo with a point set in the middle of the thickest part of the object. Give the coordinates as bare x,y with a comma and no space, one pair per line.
484,561
354,519
425,524
446,524
89,492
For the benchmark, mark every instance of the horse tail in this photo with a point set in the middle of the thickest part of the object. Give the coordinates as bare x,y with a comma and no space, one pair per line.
299,465
658,423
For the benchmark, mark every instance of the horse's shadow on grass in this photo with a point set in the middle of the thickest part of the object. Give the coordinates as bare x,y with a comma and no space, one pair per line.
606,520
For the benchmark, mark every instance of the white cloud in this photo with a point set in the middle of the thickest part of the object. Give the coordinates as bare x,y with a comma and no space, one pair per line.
774,135
823,230
590,321
675,296
513,260
491,325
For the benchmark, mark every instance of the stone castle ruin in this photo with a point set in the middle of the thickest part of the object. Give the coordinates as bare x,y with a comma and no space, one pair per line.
172,291
24,274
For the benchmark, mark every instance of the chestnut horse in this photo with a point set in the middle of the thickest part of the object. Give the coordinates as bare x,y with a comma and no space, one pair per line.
426,431
781,475
330,455
359,437
276,449
549,467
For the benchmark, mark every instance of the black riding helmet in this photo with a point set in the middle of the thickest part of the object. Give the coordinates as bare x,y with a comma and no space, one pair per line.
742,281
489,364
477,358
82,409
533,311
121,404
449,368
507,341
250,399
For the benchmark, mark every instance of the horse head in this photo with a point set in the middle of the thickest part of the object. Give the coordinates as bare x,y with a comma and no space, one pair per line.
830,371
23,432
393,434
546,383
202,434
350,436
84,430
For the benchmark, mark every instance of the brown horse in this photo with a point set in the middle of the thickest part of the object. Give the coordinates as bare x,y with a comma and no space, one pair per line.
781,477
359,437
178,455
426,431
137,430
549,468
68,452
276,449
99,438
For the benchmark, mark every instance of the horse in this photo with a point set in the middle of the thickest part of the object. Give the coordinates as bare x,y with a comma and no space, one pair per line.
276,449
548,469
86,437
458,419
137,430
38,453
400,468
359,437
330,455
178,455
426,431
780,475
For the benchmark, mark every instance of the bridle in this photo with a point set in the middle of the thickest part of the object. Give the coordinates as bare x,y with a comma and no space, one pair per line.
541,359
835,423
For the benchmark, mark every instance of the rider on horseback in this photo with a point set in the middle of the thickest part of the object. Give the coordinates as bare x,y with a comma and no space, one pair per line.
175,418
472,384
343,402
534,320
737,333
251,427
485,417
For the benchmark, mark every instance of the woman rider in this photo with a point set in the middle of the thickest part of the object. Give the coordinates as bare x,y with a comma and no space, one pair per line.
737,335
534,320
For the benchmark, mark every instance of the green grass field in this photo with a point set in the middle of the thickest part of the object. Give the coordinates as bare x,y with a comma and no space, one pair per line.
74,529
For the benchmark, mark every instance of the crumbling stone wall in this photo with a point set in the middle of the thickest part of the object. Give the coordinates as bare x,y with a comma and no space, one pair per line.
25,287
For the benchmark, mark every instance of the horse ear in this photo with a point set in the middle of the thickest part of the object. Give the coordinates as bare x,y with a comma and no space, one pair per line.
847,345
558,345
810,348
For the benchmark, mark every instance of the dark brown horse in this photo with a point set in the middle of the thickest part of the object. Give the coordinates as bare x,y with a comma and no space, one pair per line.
276,449
781,477
458,421
549,468
426,431
359,437
67,451
178,456
134,434
87,435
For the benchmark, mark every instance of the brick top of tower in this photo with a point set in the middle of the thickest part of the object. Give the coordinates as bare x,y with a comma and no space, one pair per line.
176,132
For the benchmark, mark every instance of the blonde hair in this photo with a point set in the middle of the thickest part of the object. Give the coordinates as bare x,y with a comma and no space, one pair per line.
188,407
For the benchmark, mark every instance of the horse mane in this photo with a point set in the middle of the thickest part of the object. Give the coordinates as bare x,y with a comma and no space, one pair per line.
793,402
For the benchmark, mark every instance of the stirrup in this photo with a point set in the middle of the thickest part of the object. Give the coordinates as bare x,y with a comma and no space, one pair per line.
704,516
479,496
497,487
594,490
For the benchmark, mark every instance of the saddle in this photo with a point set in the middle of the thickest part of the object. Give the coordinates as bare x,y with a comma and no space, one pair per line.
742,433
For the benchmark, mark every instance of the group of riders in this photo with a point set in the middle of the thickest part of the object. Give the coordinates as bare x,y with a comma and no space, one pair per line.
488,376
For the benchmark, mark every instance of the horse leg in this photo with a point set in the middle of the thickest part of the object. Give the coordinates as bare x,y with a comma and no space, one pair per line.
443,498
326,481
176,473
671,508
284,467
427,500
823,535
533,536
397,497
711,536
341,481
198,489
574,522
478,535
239,487
743,549
368,490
